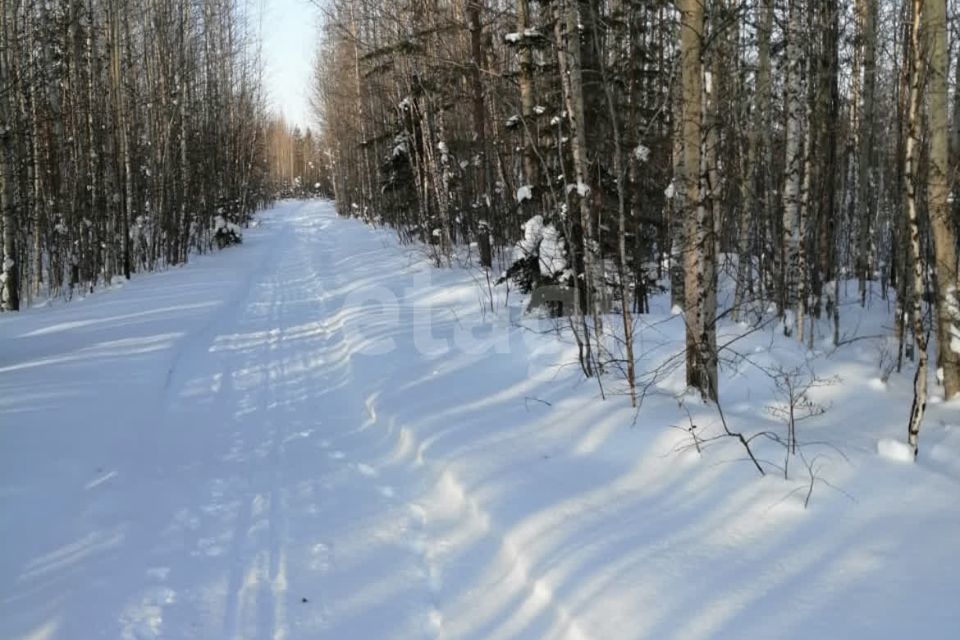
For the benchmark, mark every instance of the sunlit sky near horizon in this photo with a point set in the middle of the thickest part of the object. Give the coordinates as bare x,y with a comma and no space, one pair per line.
290,29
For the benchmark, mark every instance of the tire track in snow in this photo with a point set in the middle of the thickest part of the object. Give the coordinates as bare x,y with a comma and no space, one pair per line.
249,565
270,557
338,350
450,509
199,511
224,314
242,520
259,382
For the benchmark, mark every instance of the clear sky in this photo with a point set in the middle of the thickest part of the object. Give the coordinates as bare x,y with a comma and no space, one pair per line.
289,34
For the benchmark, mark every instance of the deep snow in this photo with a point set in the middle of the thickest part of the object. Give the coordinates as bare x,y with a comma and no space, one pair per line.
317,435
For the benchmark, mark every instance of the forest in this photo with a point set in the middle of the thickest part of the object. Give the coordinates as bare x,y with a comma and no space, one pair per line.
788,147
133,133
479,319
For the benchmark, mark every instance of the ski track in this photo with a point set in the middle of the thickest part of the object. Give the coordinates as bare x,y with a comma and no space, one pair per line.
248,473
276,548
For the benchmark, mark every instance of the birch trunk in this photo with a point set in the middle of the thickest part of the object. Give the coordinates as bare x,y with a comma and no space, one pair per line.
938,198
578,144
865,212
701,368
911,177
531,167
572,81
790,241
8,270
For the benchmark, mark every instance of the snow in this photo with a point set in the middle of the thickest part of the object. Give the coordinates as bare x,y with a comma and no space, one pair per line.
952,304
524,193
582,189
221,223
641,153
399,146
516,37
553,256
894,450
544,241
532,235
317,435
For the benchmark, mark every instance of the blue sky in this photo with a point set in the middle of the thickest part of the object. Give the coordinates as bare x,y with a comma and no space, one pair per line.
289,34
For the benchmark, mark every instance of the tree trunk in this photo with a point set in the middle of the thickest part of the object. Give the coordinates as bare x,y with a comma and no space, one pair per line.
790,243
753,198
475,26
865,197
9,270
531,166
938,198
572,81
701,366
911,176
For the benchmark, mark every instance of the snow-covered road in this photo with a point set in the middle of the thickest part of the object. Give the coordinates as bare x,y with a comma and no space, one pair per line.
308,437
198,462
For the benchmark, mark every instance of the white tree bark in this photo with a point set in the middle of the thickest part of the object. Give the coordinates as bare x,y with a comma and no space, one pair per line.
911,176
701,364
792,195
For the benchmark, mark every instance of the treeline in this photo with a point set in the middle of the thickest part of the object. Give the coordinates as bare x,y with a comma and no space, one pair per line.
132,133
620,143
295,162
